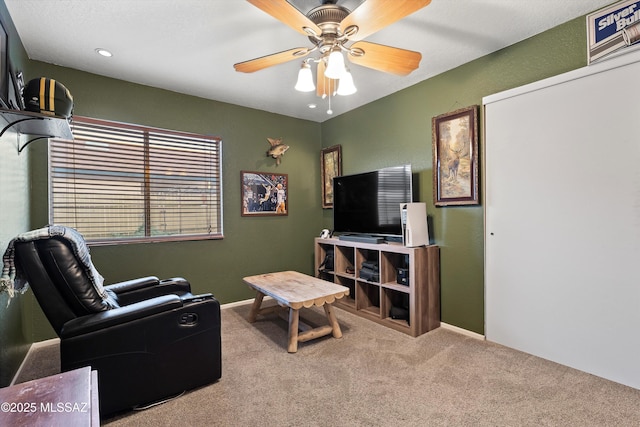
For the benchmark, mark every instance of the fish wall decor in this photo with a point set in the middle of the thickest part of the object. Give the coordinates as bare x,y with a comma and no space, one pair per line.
277,149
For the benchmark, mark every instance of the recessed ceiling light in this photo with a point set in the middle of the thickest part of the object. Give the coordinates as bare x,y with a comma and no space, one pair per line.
104,52
312,105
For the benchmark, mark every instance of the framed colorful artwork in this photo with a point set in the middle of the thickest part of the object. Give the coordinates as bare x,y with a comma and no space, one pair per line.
264,193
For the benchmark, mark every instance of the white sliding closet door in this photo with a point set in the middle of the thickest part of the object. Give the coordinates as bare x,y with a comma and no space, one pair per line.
562,213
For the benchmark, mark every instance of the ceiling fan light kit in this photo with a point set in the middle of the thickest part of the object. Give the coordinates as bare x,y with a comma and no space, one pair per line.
305,79
330,27
346,85
335,65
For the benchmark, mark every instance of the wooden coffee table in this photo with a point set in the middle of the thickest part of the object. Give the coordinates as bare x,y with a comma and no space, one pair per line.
295,291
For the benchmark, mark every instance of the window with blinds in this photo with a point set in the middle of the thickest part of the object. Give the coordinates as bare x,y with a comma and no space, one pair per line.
125,183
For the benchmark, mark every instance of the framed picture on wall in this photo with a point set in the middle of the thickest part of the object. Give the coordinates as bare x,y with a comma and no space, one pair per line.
455,157
16,89
14,92
5,81
330,167
264,193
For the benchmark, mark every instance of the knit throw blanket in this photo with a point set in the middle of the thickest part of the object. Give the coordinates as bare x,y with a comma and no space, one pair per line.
12,280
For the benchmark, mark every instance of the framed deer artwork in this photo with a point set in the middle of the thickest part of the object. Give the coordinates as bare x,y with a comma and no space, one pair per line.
330,167
455,157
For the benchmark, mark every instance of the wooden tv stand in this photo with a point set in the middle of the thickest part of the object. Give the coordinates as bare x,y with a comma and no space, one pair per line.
373,299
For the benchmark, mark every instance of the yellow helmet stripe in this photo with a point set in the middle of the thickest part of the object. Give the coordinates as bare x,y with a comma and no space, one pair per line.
42,94
52,93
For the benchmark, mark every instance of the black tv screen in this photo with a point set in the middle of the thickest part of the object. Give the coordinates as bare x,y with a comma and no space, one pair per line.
369,203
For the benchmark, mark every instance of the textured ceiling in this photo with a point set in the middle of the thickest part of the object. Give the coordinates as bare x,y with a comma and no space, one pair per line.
190,46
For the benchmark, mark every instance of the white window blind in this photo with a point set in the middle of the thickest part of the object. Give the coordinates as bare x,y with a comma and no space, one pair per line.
125,183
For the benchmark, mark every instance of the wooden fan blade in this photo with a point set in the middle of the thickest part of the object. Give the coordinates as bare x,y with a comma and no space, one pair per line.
284,11
325,86
270,60
374,15
384,58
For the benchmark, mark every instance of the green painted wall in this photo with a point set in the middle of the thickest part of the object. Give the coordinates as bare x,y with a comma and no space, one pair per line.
251,245
14,218
397,130
391,131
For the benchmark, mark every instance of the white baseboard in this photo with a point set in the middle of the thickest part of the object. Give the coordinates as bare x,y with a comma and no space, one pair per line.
243,302
236,304
34,346
52,341
45,343
462,331
442,324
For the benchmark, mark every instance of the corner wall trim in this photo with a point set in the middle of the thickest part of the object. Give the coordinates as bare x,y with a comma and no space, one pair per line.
462,331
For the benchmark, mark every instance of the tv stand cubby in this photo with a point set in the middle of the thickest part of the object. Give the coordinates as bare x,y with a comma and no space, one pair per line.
374,296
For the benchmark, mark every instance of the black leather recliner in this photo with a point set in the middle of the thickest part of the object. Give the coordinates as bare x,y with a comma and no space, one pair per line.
148,339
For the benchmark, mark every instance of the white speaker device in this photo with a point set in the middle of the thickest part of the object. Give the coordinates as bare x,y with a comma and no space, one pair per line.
415,231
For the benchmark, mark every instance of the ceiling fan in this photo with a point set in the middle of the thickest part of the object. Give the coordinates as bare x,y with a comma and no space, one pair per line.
330,28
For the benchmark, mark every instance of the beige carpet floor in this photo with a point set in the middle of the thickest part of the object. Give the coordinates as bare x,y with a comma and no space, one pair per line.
375,376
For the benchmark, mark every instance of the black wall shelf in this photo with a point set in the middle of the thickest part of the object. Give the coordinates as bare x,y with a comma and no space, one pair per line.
35,126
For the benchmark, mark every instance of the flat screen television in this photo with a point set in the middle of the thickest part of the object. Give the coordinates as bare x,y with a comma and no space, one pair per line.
369,203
